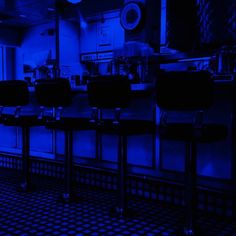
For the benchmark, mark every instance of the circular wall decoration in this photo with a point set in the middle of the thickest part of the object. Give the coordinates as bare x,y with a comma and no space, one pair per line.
131,16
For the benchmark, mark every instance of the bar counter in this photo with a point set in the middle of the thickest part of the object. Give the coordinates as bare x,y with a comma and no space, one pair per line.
147,155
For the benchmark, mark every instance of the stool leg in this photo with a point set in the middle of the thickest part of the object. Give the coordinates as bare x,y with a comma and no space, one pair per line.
190,189
25,185
98,146
122,206
68,165
122,173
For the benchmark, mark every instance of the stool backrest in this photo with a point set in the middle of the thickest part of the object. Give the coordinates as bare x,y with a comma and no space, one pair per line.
14,93
184,90
109,92
53,92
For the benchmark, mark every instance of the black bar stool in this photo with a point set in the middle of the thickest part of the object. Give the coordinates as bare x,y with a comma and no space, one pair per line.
15,93
187,92
113,92
57,94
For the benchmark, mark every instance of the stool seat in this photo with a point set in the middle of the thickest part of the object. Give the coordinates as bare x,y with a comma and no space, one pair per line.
15,93
127,127
25,120
57,94
188,91
187,132
70,123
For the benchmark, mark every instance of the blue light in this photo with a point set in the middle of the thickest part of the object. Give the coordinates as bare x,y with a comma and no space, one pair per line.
74,1
83,24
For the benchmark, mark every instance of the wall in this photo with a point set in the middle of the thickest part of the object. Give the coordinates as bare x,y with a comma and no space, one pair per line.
69,49
37,45
103,32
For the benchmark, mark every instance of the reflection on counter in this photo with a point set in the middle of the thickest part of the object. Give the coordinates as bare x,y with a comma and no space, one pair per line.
134,87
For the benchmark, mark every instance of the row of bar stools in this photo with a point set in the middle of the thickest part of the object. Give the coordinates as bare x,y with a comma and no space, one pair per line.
104,93
188,92
111,93
57,94
15,93
114,93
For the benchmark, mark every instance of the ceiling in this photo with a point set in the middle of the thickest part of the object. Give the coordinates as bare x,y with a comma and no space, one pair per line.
25,13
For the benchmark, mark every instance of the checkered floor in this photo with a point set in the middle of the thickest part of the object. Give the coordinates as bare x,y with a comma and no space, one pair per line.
41,213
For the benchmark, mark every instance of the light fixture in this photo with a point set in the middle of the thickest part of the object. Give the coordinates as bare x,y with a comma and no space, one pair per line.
22,16
131,16
51,9
74,1
83,23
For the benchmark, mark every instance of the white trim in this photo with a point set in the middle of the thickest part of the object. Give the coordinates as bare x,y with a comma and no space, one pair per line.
4,67
1,64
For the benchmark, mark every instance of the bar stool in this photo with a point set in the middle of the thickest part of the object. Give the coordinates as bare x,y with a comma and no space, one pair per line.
57,94
15,93
113,93
187,92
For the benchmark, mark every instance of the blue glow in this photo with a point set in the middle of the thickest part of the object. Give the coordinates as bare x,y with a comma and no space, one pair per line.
163,22
83,24
74,1
1,63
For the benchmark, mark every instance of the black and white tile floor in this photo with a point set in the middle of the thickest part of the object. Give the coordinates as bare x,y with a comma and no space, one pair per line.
40,213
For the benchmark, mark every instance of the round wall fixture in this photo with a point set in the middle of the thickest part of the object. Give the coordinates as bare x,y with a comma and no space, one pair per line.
131,16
